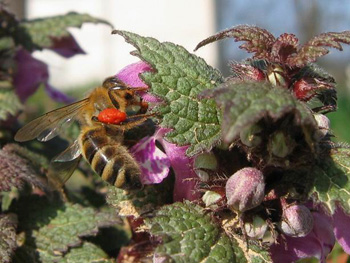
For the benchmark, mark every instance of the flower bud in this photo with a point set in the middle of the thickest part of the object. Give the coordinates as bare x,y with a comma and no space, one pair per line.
297,221
205,161
210,198
323,124
257,228
249,135
245,189
281,145
276,76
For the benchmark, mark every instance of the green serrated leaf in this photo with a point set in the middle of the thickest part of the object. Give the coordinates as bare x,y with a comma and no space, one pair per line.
53,228
255,253
88,252
9,101
68,226
244,104
332,179
137,202
178,79
41,32
188,235
8,224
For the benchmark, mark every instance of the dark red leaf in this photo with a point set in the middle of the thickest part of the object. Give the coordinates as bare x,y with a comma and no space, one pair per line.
258,40
284,46
318,47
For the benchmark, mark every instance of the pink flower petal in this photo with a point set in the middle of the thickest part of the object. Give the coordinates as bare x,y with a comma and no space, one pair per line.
153,162
318,243
130,75
66,46
185,177
341,222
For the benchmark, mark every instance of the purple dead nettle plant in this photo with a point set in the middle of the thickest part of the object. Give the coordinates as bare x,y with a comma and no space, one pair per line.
275,155
235,169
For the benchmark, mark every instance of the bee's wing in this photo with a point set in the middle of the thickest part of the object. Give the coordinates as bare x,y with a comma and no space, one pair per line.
48,125
63,165
69,154
60,172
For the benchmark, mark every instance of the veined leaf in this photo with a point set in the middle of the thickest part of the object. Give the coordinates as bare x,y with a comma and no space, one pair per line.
318,47
258,40
189,235
138,202
53,228
332,179
88,252
245,103
177,79
40,33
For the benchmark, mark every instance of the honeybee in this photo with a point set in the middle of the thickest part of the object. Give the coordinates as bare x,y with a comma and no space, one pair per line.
100,143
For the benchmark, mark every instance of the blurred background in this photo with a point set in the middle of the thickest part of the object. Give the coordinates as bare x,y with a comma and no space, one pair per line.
186,23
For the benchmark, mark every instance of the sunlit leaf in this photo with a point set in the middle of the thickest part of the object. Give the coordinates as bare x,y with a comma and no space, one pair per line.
177,79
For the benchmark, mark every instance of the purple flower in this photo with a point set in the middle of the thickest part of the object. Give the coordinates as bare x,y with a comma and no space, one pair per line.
319,242
130,75
153,162
30,74
66,46
185,176
341,222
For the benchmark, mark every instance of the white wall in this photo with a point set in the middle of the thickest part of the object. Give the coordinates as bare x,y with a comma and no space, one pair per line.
184,22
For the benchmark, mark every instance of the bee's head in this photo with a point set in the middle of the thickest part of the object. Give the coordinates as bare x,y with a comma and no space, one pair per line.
123,96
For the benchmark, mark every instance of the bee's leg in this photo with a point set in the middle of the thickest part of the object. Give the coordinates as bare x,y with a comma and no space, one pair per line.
128,124
143,107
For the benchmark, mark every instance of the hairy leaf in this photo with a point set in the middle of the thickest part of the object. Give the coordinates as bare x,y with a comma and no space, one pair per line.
138,202
258,40
318,47
177,79
332,179
246,103
41,33
8,224
255,253
16,167
64,230
189,235
285,45
53,228
9,101
88,252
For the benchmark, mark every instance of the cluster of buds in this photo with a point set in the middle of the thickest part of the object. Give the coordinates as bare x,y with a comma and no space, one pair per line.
245,190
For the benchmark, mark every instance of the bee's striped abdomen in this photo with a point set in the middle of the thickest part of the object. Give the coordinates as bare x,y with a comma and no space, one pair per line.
109,158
